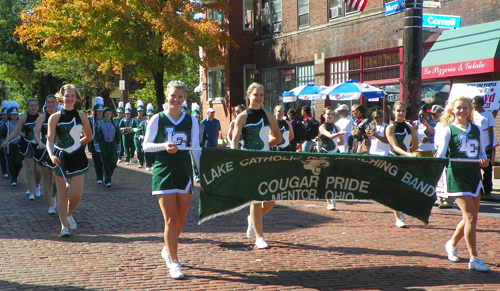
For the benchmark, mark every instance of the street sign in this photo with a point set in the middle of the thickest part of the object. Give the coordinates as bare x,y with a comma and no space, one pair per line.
431,4
441,21
394,7
121,84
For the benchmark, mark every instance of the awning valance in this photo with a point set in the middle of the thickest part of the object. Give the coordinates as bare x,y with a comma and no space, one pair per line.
470,50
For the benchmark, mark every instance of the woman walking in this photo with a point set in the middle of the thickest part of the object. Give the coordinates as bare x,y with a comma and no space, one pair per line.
400,135
172,182
260,132
460,138
66,154
26,128
49,187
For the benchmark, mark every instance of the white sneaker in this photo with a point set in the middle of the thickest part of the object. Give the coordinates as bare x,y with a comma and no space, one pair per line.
261,243
452,252
6,175
402,217
71,222
108,184
165,256
250,230
175,270
119,160
332,204
99,181
28,192
37,192
13,184
127,163
31,197
478,265
51,210
65,232
400,223
147,169
139,166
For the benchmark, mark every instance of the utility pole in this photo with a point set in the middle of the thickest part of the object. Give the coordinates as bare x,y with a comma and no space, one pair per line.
412,58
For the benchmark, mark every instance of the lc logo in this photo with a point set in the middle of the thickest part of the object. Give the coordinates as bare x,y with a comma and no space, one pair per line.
178,138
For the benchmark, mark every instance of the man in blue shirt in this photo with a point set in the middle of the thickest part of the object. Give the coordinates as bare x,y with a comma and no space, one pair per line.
212,128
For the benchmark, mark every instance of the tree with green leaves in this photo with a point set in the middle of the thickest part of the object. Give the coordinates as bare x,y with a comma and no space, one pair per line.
153,36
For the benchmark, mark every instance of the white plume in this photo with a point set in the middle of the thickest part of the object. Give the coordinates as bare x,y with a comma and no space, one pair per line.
140,103
165,106
149,107
128,106
99,101
120,104
195,107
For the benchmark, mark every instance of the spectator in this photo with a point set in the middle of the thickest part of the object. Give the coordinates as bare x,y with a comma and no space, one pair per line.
312,129
212,128
345,124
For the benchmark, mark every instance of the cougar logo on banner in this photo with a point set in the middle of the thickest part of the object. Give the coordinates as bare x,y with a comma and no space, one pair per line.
315,166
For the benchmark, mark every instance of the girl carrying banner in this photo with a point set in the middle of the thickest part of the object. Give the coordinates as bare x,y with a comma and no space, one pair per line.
402,137
49,188
26,128
66,154
460,138
172,181
260,132
330,139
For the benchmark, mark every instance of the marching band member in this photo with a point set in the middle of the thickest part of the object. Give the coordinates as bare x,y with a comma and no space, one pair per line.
137,142
108,144
126,126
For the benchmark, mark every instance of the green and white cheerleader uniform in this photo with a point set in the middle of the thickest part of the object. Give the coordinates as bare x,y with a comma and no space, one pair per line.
41,154
462,178
172,173
329,145
28,144
285,137
67,146
402,132
256,130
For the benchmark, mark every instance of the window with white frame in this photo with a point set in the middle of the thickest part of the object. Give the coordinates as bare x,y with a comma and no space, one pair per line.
248,15
271,17
303,13
270,82
338,8
305,75
216,16
344,70
249,76
216,90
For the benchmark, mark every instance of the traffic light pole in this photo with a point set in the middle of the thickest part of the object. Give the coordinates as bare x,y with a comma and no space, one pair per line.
412,58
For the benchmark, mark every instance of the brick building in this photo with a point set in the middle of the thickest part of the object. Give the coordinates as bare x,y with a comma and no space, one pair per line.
286,43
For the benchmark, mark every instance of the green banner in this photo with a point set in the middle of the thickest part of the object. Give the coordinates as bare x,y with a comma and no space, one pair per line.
233,179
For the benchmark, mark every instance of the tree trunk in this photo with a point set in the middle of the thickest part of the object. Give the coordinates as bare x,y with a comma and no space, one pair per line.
159,88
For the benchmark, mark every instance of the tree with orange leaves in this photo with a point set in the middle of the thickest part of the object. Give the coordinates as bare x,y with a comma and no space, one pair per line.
154,36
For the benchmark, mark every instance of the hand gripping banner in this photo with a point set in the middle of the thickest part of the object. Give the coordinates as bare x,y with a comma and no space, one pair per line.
233,179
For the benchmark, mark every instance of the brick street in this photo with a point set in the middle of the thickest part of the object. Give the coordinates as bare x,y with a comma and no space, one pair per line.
120,234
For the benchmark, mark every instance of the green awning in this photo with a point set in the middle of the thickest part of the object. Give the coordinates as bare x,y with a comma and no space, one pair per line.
470,50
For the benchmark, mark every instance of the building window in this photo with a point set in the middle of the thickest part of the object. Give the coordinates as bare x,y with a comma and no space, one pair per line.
336,8
344,70
305,75
271,17
216,90
216,16
303,13
380,67
249,76
248,15
270,82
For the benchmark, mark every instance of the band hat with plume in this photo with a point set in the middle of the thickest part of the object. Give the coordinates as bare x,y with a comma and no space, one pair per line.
120,107
128,108
99,103
165,106
12,107
107,109
4,107
195,109
149,109
184,106
140,105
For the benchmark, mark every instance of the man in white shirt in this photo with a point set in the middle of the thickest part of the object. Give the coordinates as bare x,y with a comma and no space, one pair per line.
486,122
345,124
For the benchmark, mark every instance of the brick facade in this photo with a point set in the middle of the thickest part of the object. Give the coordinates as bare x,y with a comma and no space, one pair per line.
324,39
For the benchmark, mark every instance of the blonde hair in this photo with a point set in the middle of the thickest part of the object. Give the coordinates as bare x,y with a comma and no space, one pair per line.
62,91
250,89
278,107
176,85
448,117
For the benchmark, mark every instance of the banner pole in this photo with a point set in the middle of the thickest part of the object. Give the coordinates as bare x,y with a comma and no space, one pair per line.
464,160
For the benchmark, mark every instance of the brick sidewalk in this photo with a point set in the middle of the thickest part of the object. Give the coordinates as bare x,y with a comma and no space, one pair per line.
119,237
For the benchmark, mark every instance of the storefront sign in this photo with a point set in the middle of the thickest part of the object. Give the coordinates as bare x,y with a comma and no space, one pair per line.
394,7
460,69
440,21
490,91
431,4
393,97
